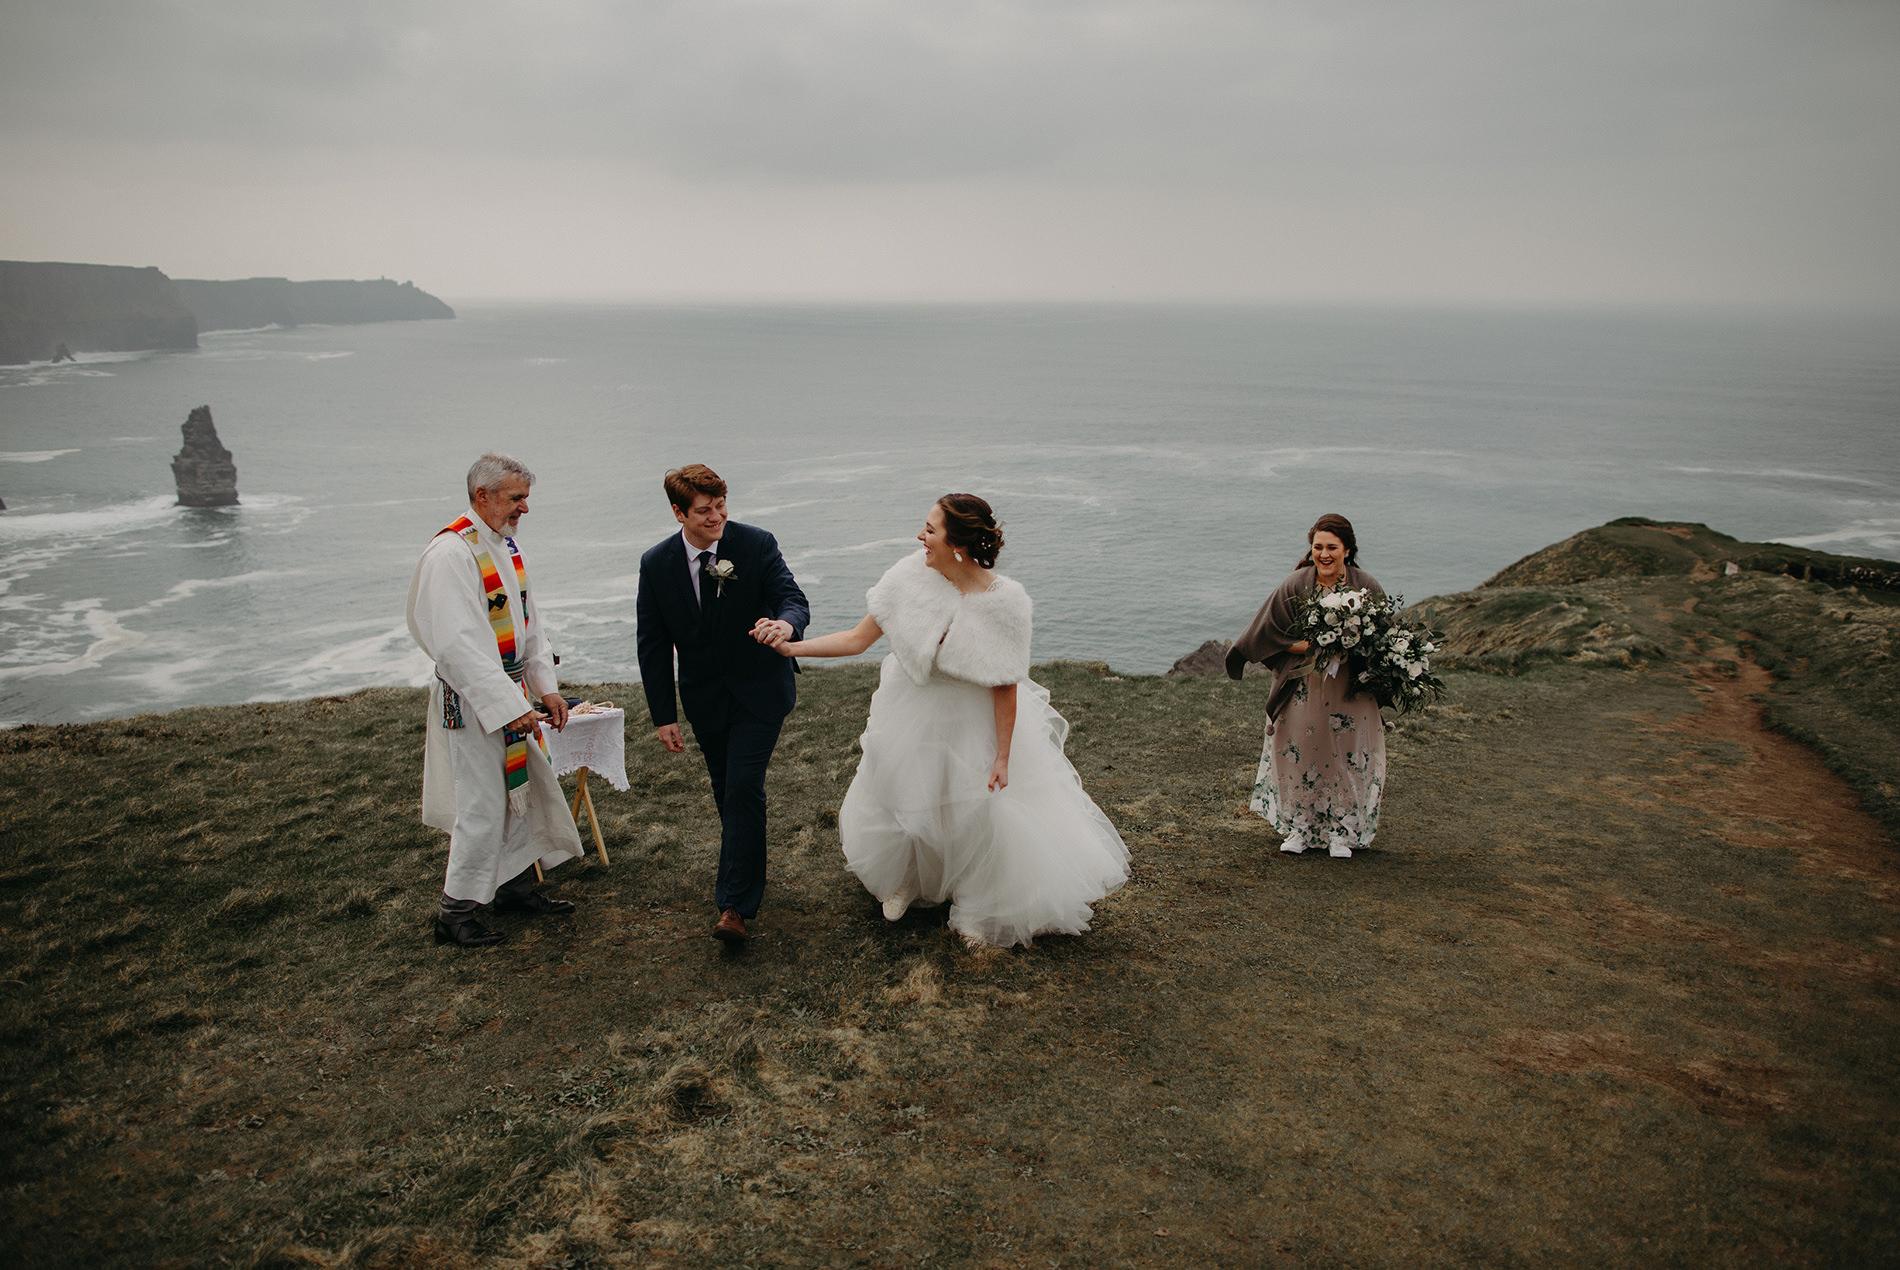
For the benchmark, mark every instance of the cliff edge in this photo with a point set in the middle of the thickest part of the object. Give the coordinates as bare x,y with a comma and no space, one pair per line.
1639,593
88,309
247,303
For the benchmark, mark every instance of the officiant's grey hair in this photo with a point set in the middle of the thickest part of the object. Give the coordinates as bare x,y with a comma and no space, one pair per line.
493,470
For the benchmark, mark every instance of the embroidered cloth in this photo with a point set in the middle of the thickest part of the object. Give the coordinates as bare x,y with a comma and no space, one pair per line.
597,742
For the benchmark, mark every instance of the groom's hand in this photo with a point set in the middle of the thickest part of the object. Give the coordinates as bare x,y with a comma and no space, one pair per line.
771,632
669,734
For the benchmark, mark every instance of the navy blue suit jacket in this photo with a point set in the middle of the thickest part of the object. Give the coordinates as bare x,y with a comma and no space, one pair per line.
719,661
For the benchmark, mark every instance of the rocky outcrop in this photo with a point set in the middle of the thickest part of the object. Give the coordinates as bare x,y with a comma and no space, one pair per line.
204,471
253,302
1209,661
1634,547
45,305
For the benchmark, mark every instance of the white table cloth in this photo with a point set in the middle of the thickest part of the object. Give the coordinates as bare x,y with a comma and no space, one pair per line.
597,742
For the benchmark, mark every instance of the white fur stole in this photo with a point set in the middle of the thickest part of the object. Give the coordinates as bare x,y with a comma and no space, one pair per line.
981,639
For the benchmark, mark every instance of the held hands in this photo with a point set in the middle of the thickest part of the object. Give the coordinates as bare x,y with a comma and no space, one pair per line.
774,634
1300,646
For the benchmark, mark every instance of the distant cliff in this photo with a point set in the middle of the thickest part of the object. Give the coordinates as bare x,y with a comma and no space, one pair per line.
88,308
253,302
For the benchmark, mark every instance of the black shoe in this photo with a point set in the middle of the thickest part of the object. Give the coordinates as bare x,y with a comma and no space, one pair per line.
467,934
531,902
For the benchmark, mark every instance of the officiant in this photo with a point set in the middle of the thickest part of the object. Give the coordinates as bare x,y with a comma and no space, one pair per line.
486,778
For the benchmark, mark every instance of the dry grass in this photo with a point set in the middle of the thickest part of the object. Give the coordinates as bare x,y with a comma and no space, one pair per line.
1619,987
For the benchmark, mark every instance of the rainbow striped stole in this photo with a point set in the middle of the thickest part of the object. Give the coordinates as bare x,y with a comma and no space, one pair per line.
501,617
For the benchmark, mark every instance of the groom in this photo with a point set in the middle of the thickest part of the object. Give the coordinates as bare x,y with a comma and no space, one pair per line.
702,593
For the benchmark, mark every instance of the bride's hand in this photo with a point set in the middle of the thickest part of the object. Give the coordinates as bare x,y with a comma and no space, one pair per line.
999,774
1300,646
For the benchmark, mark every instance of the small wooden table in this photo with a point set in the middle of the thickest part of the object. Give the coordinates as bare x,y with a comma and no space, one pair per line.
590,744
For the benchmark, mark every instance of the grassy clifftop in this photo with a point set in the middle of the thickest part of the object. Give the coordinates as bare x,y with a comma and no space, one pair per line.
1618,986
1633,592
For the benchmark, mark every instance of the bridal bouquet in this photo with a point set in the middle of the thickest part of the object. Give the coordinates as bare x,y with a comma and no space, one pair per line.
1366,637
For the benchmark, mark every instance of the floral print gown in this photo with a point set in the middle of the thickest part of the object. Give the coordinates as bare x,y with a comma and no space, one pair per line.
1322,769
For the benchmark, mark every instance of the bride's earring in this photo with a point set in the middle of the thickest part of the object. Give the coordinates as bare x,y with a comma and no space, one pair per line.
958,555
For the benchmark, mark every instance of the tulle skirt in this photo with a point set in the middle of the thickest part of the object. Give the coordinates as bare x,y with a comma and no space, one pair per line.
920,821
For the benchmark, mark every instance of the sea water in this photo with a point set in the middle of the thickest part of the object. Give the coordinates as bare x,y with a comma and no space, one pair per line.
1155,468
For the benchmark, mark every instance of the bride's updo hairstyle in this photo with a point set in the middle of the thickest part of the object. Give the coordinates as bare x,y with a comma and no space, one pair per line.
970,527
1338,526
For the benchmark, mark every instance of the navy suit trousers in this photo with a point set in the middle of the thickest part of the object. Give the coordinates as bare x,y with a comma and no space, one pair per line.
736,758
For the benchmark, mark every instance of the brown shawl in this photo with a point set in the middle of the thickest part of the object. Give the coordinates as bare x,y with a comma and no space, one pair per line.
1268,635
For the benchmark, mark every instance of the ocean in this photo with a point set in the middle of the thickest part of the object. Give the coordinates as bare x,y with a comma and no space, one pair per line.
1155,467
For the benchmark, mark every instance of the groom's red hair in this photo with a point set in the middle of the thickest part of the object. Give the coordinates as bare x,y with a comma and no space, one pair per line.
683,484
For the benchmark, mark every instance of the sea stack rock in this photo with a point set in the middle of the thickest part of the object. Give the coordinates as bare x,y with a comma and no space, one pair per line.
205,473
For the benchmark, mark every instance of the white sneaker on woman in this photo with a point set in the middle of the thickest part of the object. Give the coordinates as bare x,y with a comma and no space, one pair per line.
1338,850
896,906
1294,844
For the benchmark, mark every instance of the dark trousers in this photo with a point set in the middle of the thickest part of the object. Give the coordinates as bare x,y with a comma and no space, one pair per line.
454,910
736,758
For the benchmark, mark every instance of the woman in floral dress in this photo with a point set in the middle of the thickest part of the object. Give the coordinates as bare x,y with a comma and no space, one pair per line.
1322,768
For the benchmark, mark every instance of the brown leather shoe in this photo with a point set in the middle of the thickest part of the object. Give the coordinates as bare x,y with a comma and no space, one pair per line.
731,927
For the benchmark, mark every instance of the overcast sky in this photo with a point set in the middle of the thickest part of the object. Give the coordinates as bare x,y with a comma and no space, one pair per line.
1436,151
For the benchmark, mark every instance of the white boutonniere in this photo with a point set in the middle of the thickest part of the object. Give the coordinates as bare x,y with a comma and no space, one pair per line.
721,573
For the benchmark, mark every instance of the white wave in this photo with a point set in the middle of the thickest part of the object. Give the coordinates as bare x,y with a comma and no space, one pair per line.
775,509
830,476
31,456
144,440
1880,538
815,553
398,502
389,656
191,586
546,361
1781,474
587,602
104,520
108,637
324,357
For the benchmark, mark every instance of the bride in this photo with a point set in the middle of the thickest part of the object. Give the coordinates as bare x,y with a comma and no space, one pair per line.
964,793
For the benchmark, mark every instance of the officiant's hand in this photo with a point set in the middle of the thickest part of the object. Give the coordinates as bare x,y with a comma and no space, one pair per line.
556,705
1300,646
669,734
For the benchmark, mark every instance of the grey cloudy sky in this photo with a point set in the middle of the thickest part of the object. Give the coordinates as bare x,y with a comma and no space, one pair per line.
1465,151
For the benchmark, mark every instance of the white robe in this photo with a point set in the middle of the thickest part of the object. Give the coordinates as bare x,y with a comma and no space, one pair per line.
464,786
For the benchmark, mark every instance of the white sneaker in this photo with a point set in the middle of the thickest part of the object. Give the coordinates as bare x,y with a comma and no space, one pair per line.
1294,844
896,906
1339,851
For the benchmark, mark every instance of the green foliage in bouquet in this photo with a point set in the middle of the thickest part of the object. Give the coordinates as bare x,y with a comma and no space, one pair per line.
1382,652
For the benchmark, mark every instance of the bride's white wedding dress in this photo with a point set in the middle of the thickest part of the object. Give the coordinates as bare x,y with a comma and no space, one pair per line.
920,823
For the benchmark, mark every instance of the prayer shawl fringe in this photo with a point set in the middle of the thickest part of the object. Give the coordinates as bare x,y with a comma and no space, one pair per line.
980,639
